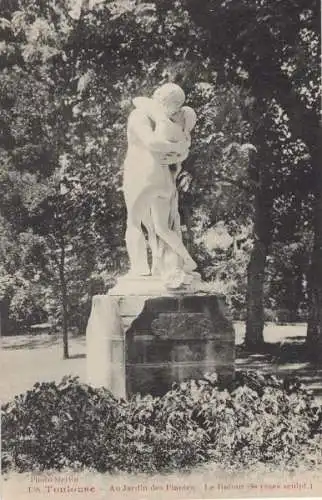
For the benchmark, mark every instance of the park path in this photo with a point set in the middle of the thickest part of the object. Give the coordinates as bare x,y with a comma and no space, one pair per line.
27,360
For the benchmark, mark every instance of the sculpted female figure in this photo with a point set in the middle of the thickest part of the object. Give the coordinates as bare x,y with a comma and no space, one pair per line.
158,136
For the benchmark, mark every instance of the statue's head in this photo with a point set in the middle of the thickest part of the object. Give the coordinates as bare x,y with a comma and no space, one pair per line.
171,97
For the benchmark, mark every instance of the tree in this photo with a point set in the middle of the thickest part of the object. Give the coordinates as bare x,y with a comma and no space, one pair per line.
72,135
266,46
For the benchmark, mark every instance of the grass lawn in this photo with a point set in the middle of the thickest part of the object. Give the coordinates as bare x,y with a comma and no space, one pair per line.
26,360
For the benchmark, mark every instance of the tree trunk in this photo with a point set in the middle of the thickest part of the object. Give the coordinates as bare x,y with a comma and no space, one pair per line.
254,338
305,124
314,327
63,287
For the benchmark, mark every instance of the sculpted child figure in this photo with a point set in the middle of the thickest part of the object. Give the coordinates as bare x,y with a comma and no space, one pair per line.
158,136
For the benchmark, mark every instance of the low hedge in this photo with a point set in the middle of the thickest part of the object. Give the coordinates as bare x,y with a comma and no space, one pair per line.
258,419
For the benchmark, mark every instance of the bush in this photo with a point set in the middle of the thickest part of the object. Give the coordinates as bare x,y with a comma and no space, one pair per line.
258,419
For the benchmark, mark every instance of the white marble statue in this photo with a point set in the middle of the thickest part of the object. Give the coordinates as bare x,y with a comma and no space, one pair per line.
158,141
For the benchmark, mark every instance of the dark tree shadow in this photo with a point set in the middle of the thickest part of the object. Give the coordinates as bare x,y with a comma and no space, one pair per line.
32,342
77,356
287,358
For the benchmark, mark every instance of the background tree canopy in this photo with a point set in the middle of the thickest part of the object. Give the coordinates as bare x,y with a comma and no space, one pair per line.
252,213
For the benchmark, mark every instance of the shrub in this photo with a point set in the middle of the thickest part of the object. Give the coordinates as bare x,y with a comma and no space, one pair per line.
54,426
258,419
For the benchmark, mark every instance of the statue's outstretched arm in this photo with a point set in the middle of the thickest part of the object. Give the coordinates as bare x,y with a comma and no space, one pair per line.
141,125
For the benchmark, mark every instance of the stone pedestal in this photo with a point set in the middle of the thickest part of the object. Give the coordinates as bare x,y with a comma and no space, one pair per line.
144,342
105,346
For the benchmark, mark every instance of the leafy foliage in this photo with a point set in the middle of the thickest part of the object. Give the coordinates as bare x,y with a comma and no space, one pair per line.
259,419
69,74
65,143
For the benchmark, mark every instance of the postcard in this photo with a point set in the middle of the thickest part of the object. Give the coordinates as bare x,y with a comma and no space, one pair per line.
160,256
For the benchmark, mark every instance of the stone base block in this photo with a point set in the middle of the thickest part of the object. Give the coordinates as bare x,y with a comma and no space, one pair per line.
142,344
105,355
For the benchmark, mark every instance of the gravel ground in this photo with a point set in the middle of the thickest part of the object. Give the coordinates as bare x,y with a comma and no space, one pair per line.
26,360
